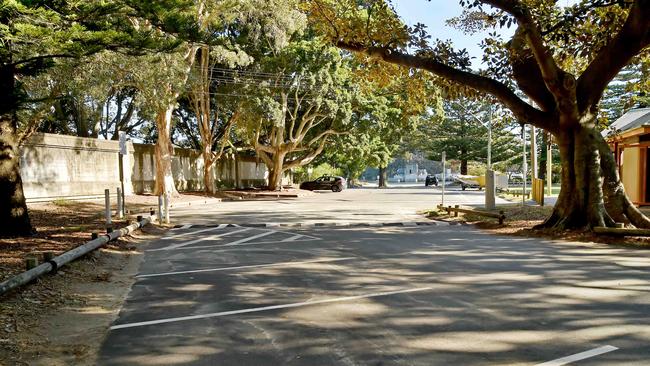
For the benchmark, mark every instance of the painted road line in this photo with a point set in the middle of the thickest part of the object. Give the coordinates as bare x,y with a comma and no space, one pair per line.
245,267
266,308
250,238
579,356
193,232
296,237
212,247
211,237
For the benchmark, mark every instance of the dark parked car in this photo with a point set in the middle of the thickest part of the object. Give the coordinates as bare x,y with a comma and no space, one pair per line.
328,182
431,180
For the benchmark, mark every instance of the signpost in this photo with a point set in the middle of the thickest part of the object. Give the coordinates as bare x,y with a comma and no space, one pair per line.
444,177
123,151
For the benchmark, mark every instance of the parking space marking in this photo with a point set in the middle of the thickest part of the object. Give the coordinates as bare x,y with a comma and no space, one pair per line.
194,232
327,260
298,236
211,237
266,308
241,241
579,356
246,244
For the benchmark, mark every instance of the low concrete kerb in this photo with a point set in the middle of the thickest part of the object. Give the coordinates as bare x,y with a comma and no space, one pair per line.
57,262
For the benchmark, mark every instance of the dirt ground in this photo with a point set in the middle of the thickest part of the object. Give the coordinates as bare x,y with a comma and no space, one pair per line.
61,319
520,221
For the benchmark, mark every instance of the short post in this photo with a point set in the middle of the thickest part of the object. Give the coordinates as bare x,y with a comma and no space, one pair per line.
31,262
138,218
94,236
490,190
107,202
502,217
160,208
152,211
456,212
449,210
120,204
166,209
48,256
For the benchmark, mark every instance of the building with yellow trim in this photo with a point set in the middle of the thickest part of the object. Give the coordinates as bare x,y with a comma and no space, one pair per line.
629,139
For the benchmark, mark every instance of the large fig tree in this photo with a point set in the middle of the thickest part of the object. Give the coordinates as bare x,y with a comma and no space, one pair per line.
560,58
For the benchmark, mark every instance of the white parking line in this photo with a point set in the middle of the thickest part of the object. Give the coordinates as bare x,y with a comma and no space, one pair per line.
180,245
579,356
240,241
265,308
245,267
194,232
296,237
246,244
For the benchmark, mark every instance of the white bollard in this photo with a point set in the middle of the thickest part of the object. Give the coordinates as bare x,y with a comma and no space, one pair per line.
167,221
107,211
160,208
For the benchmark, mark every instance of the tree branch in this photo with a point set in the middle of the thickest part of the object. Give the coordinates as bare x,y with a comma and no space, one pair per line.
630,40
522,110
551,72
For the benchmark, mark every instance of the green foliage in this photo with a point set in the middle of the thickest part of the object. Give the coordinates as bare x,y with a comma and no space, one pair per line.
301,174
462,133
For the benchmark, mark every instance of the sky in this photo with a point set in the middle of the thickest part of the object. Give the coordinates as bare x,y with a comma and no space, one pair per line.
433,14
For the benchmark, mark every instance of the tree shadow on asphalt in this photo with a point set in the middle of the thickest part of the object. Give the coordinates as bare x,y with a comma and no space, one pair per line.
489,300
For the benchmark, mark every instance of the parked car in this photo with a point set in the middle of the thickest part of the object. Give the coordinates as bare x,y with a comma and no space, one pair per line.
431,180
326,182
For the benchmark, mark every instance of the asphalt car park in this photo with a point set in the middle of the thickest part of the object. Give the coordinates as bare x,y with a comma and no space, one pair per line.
392,295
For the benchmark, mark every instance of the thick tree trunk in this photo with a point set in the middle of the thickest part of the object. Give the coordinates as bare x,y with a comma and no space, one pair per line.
463,167
592,193
382,177
14,218
208,167
275,172
164,152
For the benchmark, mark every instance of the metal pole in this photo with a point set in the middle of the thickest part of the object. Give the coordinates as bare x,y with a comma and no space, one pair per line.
533,152
444,178
489,147
107,209
160,209
123,151
524,167
120,207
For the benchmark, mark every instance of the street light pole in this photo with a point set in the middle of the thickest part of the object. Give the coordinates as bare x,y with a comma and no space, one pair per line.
524,165
489,147
444,178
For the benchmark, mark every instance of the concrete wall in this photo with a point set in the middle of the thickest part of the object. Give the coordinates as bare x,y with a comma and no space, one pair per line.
54,166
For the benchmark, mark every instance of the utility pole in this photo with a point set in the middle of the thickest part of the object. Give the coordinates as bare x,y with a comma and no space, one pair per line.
533,152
